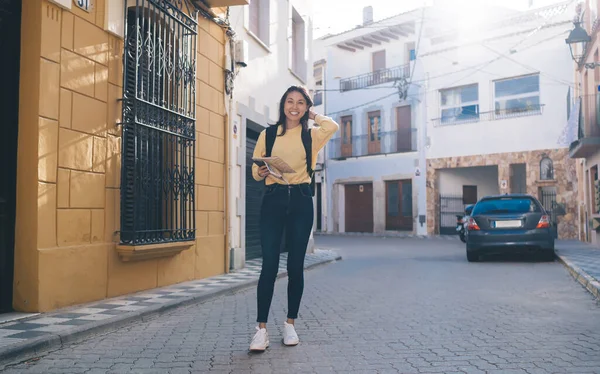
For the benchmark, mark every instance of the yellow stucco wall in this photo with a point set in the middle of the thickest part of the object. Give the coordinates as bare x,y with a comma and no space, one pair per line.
69,164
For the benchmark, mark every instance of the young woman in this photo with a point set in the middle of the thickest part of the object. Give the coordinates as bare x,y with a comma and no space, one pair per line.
287,207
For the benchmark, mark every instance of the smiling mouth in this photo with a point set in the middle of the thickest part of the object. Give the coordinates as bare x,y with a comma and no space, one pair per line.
294,113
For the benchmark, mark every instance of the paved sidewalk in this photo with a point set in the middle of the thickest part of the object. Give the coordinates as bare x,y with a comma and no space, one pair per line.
388,234
583,262
42,331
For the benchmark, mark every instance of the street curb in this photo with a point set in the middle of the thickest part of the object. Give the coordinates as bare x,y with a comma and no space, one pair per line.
26,350
587,281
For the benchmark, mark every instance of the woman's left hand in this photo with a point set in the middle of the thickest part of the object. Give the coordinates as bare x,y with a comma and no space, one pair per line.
311,115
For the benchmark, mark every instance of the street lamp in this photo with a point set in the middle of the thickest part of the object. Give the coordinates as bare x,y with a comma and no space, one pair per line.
579,36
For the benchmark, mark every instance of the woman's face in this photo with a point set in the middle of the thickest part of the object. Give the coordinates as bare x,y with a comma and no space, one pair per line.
295,106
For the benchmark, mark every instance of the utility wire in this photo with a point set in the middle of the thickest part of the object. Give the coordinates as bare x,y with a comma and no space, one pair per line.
476,68
364,104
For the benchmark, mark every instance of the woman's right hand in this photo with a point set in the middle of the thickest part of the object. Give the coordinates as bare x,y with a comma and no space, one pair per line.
263,171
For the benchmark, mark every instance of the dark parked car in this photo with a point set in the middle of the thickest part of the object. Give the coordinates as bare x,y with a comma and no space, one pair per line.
508,224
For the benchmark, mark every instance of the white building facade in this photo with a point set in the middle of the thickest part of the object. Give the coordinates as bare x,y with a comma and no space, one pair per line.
372,180
272,51
497,105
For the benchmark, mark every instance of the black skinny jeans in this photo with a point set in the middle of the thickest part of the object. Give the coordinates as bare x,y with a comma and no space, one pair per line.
288,208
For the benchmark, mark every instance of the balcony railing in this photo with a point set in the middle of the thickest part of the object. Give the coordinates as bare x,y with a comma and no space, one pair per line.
588,133
400,141
589,123
374,78
493,115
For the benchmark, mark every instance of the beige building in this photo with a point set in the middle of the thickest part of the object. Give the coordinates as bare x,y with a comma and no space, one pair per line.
113,151
584,123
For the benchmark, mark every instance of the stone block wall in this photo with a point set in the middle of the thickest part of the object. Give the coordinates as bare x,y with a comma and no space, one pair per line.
565,182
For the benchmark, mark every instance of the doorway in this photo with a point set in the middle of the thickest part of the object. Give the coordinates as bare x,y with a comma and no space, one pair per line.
359,207
254,192
10,43
518,178
374,129
404,129
319,193
399,210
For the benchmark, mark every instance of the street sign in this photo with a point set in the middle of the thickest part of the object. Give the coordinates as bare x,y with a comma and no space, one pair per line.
84,4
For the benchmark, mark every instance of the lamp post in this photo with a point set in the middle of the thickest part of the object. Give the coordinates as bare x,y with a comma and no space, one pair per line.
578,36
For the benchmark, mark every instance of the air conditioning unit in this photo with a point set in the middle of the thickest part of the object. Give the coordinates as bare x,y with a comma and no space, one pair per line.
241,53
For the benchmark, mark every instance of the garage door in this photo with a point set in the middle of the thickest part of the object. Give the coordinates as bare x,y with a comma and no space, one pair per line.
254,192
359,207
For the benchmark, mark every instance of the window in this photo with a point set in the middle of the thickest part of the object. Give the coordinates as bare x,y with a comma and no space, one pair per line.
346,130
259,20
460,104
318,75
546,169
298,44
318,98
374,126
346,135
507,205
157,188
378,60
516,96
411,54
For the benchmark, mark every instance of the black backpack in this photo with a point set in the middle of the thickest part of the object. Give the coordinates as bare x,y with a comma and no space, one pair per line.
306,142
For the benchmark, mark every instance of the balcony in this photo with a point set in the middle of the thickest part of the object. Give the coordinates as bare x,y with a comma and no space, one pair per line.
374,78
588,139
401,141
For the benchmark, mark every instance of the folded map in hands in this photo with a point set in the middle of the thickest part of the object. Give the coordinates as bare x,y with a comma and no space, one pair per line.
277,167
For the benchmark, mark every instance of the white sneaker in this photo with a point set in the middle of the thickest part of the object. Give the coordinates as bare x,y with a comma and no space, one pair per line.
260,341
289,334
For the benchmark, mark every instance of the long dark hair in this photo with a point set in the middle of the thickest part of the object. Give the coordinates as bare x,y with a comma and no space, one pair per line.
282,118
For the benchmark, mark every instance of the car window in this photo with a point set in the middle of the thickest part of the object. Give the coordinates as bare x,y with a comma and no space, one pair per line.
506,206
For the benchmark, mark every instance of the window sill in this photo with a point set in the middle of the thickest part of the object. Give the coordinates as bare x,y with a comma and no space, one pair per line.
546,181
258,40
131,253
297,76
456,123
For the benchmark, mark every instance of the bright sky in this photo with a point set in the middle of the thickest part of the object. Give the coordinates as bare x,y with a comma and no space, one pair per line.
334,16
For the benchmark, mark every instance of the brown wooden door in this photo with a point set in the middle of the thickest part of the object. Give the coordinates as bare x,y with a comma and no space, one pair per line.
404,128
346,136
374,133
399,200
359,207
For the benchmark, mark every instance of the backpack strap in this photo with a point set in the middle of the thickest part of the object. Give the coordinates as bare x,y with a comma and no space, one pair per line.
271,134
307,142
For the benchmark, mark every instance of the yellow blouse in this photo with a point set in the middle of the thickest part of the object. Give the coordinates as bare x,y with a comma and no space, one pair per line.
290,149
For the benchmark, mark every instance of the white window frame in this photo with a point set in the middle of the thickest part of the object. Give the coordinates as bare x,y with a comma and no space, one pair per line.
537,93
468,103
263,34
298,44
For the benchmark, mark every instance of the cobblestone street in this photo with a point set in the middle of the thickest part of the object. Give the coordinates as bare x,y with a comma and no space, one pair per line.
390,306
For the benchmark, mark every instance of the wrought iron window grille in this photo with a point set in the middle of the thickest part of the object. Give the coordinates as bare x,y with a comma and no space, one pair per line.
159,116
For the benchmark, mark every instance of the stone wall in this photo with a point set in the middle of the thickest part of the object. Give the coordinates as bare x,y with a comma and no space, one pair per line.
565,181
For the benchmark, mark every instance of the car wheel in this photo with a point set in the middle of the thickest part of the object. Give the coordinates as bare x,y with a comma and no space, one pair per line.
472,256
